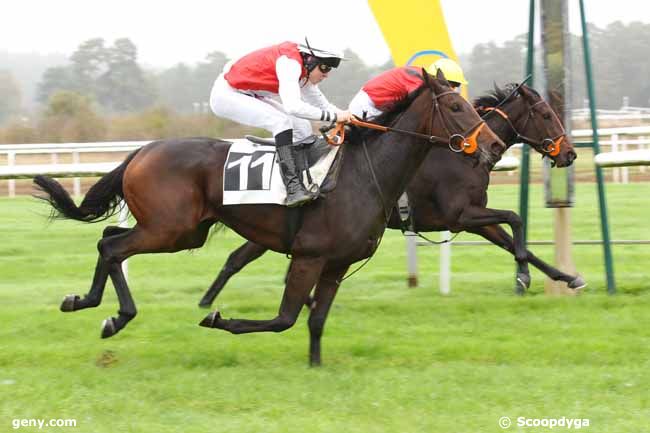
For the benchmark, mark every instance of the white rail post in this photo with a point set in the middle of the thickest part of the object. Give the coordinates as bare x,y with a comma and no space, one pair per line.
616,172
77,181
122,222
445,263
625,172
642,146
11,161
412,261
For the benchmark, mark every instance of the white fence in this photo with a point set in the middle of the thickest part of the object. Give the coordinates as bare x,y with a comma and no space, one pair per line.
15,170
619,140
624,139
77,169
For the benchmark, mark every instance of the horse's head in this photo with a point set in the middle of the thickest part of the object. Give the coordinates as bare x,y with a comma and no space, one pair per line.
527,117
456,121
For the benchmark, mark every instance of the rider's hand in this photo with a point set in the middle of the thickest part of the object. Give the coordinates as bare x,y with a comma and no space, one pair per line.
343,116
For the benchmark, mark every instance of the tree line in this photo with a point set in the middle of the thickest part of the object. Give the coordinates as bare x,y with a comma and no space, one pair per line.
103,87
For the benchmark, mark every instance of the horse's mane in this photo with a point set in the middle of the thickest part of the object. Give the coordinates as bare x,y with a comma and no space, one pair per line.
498,95
391,114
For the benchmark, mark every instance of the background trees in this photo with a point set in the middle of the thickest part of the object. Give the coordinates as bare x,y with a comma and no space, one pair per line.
119,91
10,95
109,75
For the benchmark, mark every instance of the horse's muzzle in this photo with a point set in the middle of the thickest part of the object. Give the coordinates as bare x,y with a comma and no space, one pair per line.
567,160
571,156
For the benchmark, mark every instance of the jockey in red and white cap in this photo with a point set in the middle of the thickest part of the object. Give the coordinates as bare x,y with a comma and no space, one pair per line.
394,85
276,88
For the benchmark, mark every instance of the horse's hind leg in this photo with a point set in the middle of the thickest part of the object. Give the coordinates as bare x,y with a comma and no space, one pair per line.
94,296
323,297
239,258
305,272
115,249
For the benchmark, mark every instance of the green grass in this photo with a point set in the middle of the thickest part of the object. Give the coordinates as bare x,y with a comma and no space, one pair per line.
395,359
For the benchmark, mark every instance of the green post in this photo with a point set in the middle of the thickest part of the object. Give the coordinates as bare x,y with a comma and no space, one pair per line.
604,224
524,177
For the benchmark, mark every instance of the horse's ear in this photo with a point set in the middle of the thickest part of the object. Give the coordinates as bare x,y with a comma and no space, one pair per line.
527,93
426,78
441,77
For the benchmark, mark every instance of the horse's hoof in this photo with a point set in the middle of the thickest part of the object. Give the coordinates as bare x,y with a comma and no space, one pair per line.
108,328
578,283
211,319
205,304
523,282
68,303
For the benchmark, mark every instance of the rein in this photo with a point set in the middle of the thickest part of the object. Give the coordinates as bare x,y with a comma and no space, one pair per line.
467,142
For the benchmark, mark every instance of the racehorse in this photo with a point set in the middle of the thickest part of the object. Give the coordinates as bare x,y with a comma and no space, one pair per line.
173,188
442,196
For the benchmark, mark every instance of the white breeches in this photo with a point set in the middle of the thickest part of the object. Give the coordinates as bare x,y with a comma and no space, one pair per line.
362,102
258,111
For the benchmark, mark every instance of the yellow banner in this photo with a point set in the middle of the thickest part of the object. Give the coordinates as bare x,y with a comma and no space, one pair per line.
412,27
415,31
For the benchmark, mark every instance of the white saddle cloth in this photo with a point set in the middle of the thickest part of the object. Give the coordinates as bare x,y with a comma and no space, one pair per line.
251,174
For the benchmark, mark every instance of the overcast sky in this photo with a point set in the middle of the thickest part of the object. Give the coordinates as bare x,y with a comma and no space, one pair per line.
167,32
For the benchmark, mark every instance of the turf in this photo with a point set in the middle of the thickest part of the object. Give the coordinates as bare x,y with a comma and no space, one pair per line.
395,359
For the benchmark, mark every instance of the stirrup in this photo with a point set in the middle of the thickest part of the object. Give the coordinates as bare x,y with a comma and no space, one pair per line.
298,201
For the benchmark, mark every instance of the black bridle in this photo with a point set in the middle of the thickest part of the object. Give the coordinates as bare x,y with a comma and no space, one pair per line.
460,139
549,145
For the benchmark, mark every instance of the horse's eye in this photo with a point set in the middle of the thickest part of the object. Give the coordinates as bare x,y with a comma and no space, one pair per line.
546,116
455,107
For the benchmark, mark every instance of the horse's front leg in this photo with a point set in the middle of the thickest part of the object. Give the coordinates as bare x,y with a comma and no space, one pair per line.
476,217
304,273
239,258
500,237
323,298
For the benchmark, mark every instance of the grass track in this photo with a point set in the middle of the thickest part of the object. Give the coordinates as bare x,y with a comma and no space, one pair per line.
395,359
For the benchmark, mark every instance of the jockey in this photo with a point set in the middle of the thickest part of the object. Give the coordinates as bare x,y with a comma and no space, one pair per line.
389,87
276,88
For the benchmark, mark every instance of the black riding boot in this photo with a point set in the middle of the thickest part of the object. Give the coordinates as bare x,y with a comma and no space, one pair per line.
297,195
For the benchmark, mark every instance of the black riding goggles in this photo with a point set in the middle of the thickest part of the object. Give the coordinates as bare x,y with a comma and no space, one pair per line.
332,62
324,68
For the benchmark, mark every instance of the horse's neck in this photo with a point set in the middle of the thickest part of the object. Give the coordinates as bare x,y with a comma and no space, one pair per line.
395,158
502,128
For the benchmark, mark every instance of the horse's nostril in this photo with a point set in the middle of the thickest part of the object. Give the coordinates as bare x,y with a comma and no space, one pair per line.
571,156
497,148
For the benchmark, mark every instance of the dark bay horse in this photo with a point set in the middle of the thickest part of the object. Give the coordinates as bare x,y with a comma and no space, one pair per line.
173,188
442,196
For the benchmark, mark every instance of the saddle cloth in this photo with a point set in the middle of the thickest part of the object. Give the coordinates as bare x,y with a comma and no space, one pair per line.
251,174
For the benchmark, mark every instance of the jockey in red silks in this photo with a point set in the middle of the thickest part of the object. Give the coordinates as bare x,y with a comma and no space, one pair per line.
276,88
383,91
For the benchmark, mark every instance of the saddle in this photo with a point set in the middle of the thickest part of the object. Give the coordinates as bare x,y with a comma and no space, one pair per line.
308,152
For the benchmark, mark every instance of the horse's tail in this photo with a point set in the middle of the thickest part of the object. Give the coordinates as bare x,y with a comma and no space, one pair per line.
100,203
